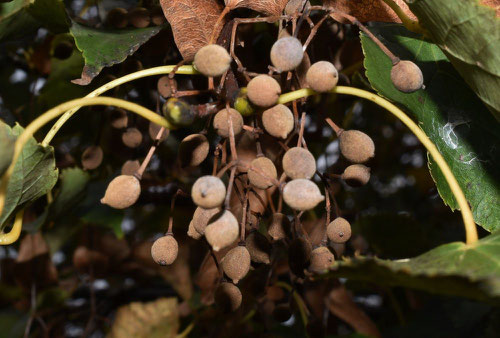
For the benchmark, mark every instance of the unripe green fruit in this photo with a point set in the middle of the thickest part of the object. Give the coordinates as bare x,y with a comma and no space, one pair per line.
299,163
122,192
139,17
132,137
321,260
262,172
258,247
92,157
279,227
193,150
130,167
222,230
208,192
263,91
164,250
302,194
356,175
339,230
117,18
221,123
407,76
286,53
178,112
201,217
212,60
322,76
228,297
242,104
278,121
356,146
236,263
299,255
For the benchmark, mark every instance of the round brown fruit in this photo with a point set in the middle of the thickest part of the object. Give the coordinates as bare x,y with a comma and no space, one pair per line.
236,263
356,175
356,146
407,76
164,87
339,230
228,297
263,91
164,250
299,163
130,167
259,248
222,230
193,150
278,121
321,260
139,17
262,172
322,76
132,137
279,227
201,217
212,60
221,122
122,192
208,192
286,53
302,194
92,157
117,18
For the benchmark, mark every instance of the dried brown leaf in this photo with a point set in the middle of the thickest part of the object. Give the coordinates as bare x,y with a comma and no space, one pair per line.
495,4
268,7
341,305
192,23
369,10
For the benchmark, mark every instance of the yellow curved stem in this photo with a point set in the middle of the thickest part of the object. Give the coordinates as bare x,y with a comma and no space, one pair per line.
43,119
409,23
189,70
13,235
469,224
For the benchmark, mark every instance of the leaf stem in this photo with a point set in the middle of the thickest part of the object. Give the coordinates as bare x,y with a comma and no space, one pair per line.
12,236
46,117
468,219
410,24
188,70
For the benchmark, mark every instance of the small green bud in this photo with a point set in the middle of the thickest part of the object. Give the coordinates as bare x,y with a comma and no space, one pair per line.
241,103
178,112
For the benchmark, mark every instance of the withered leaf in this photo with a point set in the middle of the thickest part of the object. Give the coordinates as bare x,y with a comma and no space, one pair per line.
268,7
495,4
192,23
369,10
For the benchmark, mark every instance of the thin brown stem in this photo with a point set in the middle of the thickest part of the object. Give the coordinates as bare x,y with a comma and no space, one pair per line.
172,205
227,202
221,17
232,142
301,132
226,167
244,217
217,152
150,154
328,215
271,202
335,128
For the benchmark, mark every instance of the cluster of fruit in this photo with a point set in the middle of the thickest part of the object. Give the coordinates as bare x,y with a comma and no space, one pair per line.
236,232
138,17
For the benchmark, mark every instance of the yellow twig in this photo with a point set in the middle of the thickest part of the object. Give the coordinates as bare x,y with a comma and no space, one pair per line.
409,23
189,70
298,300
43,119
469,224
186,331
12,236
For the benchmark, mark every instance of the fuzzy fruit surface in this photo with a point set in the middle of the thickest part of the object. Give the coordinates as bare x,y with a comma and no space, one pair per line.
228,297
164,250
212,60
278,121
263,91
407,76
356,146
302,194
262,172
122,192
339,230
322,76
286,53
221,122
299,163
208,192
222,230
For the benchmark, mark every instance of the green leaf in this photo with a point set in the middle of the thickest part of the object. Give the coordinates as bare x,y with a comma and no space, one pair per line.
159,318
34,175
7,149
458,269
450,114
73,186
23,17
104,48
469,35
